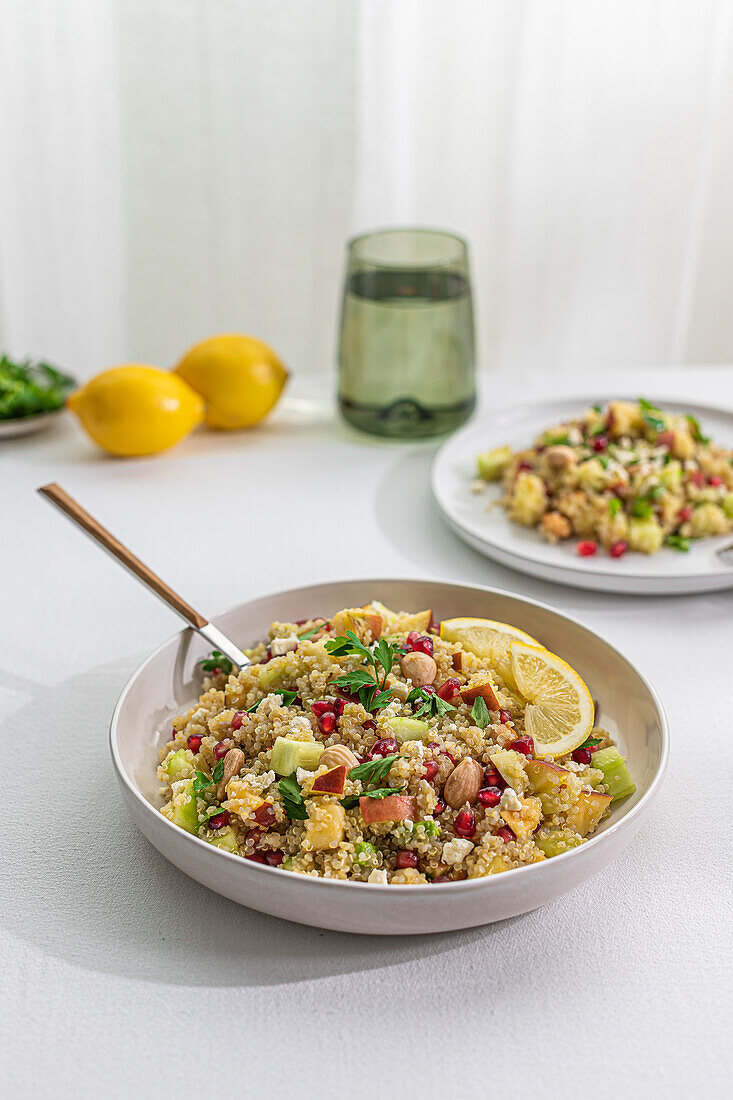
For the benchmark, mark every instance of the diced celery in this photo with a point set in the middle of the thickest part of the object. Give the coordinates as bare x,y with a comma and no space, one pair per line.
408,729
288,755
491,464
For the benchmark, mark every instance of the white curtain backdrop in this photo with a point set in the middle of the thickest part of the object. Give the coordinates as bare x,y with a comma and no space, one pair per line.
175,168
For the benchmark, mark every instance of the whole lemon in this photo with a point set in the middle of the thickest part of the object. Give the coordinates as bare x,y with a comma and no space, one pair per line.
239,378
136,409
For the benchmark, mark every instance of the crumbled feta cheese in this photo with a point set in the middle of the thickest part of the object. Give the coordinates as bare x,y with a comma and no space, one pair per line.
258,783
379,877
299,724
301,774
455,851
509,800
283,645
478,485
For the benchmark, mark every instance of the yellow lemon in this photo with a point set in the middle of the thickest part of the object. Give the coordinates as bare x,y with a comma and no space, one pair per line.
239,378
137,409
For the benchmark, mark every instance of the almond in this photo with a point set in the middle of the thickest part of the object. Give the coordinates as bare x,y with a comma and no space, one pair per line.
463,783
233,762
338,754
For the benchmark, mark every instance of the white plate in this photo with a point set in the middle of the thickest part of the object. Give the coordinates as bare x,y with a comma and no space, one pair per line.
26,425
493,534
167,683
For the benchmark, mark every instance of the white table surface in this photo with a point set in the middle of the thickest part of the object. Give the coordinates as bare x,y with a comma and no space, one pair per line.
120,977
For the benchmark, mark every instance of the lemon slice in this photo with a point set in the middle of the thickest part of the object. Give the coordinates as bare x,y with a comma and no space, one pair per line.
487,638
559,713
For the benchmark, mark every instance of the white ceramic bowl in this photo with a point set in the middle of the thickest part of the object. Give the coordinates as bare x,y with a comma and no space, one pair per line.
166,683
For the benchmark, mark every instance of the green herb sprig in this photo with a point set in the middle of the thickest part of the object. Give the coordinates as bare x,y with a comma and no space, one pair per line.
590,742
288,698
678,542
202,781
429,703
370,681
292,798
217,662
29,388
480,712
697,430
352,800
650,414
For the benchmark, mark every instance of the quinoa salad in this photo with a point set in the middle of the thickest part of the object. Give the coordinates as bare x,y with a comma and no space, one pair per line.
384,747
627,477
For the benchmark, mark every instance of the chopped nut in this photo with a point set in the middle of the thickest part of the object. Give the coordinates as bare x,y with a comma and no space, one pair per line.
463,783
419,668
338,754
233,764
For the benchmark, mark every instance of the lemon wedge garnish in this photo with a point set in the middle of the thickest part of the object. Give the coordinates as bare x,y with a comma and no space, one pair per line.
559,713
489,639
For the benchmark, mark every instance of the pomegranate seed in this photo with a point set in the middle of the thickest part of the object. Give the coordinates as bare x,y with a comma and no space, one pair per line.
267,657
423,644
493,778
339,707
439,808
327,722
440,878
428,689
370,724
684,514
697,477
525,745
450,688
451,757
256,857
618,549
524,466
238,719
489,796
432,767
411,639
194,742
274,858
300,622
505,834
582,756
587,548
715,481
385,747
222,749
321,708
218,821
465,823
433,745
600,443
406,859
504,717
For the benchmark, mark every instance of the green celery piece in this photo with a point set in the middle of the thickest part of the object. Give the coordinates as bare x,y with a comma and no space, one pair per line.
616,775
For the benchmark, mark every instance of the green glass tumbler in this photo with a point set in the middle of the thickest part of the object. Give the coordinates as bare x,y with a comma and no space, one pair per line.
407,360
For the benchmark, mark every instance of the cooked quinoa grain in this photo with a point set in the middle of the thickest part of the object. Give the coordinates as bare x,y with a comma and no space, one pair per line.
245,768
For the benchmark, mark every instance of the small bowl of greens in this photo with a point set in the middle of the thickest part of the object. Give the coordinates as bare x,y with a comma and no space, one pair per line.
32,395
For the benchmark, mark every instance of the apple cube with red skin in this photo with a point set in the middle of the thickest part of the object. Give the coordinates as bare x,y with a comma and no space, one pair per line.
395,807
480,685
587,811
545,778
264,815
331,782
350,619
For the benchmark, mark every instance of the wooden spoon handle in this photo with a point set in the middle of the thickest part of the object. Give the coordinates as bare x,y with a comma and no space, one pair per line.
100,534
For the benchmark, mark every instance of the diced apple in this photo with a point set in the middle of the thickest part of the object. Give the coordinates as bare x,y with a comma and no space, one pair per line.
331,782
325,826
480,685
420,621
226,839
556,842
395,807
270,675
587,811
511,767
524,822
408,729
264,815
358,619
546,778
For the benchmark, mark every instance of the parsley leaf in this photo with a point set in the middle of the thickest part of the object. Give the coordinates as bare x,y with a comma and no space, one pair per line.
430,703
604,461
217,662
352,800
372,771
367,682
590,742
677,542
614,506
649,413
201,782
597,408
292,798
253,708
480,712
696,430
218,771
309,633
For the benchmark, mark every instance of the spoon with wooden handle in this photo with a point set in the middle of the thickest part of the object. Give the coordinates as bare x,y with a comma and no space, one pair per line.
113,546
